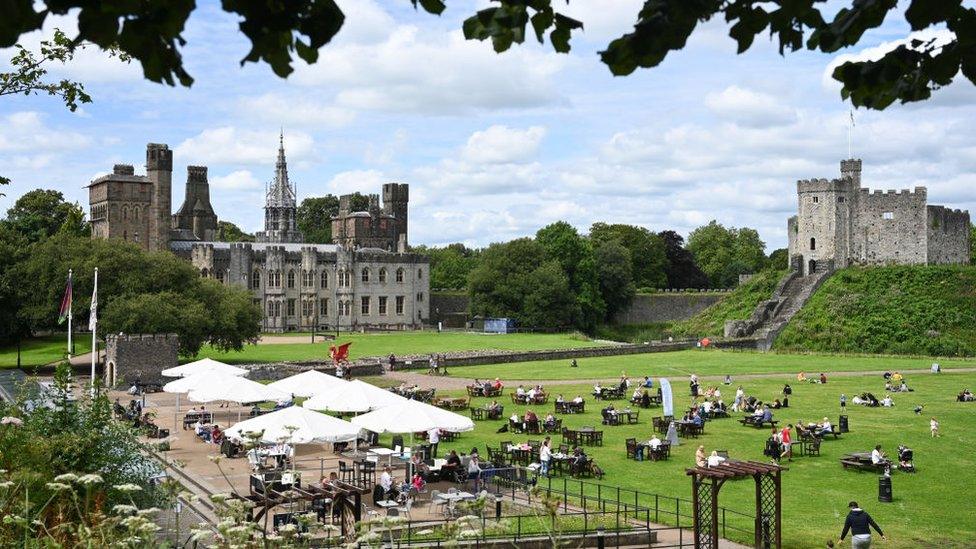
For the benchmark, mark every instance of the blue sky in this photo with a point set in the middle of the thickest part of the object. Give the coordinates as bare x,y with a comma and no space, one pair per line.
496,146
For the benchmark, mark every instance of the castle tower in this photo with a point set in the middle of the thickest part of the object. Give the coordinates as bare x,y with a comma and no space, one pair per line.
395,199
196,215
159,172
280,209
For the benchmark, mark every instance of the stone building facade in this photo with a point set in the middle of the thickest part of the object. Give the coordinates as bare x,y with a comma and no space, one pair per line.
839,223
139,358
366,279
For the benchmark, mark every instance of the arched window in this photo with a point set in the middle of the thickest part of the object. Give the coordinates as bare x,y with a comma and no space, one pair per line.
325,280
813,243
383,275
220,275
135,213
125,212
420,274
365,274
399,275
205,273
291,279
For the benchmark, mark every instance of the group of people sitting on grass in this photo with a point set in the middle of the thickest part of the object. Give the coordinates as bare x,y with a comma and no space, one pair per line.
867,399
749,404
965,396
802,377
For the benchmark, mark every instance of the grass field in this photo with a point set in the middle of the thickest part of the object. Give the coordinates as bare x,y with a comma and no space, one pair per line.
701,362
400,344
43,350
815,489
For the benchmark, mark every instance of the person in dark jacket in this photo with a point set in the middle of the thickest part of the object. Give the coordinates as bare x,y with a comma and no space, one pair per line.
859,523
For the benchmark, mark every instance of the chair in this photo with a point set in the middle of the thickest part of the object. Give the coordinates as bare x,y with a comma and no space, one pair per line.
597,438
392,512
631,448
397,441
436,500
405,508
345,472
633,417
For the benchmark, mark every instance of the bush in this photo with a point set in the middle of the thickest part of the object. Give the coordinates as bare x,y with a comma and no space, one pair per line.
738,304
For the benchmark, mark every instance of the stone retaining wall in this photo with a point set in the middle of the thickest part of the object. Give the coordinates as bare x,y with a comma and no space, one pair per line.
665,307
274,371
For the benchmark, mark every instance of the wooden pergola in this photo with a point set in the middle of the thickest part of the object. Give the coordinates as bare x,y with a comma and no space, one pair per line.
706,483
347,497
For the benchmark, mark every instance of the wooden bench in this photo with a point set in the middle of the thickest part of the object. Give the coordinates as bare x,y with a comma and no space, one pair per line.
757,423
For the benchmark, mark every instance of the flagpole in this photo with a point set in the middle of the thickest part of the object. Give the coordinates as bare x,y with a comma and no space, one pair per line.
69,317
94,324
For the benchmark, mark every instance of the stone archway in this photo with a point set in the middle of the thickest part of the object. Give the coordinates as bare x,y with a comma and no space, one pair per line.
812,267
110,374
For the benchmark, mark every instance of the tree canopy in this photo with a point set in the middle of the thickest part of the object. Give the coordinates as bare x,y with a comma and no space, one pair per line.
229,232
647,252
682,270
41,213
152,33
315,215
450,265
725,253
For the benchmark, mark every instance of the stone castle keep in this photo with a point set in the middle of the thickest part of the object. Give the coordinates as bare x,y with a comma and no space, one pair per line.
365,279
839,223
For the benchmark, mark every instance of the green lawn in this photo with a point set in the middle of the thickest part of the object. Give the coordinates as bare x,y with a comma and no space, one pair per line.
702,362
400,344
815,489
43,350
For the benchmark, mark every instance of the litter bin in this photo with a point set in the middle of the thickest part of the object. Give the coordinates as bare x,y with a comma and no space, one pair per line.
884,489
842,424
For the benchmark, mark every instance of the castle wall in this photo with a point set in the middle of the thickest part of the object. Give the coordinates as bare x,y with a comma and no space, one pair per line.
159,171
947,235
892,227
139,358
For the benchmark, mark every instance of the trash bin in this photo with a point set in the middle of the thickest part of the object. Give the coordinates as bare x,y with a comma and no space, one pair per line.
842,424
884,489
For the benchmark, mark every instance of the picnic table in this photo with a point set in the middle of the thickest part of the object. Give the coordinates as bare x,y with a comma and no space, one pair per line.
757,422
452,403
862,462
588,436
688,428
608,393
570,407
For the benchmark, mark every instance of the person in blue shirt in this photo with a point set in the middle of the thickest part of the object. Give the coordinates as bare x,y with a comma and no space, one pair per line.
648,383
767,414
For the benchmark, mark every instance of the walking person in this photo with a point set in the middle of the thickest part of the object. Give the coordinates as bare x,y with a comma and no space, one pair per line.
934,427
433,438
859,523
545,454
843,403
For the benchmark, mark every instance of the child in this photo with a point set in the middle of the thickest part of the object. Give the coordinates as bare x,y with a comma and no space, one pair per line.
843,402
934,426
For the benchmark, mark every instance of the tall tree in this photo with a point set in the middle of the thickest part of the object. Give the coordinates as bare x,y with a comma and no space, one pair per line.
515,280
229,232
725,253
42,213
315,215
682,269
152,32
616,277
647,252
779,259
450,265
13,249
574,254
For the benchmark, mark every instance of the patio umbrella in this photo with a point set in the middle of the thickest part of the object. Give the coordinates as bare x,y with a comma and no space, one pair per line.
308,427
354,396
208,387
203,365
411,416
308,383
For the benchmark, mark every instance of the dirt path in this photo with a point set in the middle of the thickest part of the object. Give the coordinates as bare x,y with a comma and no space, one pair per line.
447,383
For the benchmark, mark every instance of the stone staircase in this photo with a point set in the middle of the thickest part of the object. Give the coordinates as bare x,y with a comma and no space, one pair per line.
771,316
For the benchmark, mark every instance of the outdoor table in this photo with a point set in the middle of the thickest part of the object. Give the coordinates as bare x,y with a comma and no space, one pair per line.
686,428
389,453
629,414
587,436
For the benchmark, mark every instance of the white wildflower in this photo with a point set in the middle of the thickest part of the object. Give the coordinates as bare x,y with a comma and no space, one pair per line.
123,509
67,477
10,420
57,486
128,487
90,479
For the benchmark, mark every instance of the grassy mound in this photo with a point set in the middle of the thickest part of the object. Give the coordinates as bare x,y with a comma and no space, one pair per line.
739,304
928,310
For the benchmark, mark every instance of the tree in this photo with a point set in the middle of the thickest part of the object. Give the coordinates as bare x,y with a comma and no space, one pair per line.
725,253
647,252
574,254
682,271
779,260
315,215
514,280
42,213
228,232
13,249
450,265
139,291
151,32
616,277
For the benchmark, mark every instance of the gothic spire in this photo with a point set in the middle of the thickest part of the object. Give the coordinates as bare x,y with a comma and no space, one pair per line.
282,194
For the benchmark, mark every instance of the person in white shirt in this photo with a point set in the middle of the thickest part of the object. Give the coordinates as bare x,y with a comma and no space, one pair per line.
887,402
531,394
715,459
578,399
877,456
559,398
637,394
739,396
433,437
520,392
826,428
386,481
545,454
654,443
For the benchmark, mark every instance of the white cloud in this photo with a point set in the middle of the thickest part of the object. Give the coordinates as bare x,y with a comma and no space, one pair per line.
433,72
295,111
501,144
364,181
26,131
234,146
749,108
236,180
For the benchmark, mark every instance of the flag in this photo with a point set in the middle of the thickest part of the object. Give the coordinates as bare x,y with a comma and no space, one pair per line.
852,118
65,310
340,353
93,318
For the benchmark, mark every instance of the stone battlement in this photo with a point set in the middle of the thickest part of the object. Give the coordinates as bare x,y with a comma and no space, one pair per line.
196,173
141,337
921,191
123,169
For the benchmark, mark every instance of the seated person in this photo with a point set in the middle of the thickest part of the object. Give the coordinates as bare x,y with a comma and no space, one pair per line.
966,395
520,392
418,482
497,385
697,419
654,443
597,390
728,379
531,394
776,404
635,398
580,459
386,482
757,414
419,467
648,383
903,387
888,386
645,400
559,398
767,414
720,406
216,435
878,457
826,428
887,402
453,464
801,377
515,419
823,377
714,459
550,421
578,400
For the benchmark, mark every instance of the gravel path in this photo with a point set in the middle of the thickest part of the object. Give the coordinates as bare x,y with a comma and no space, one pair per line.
447,383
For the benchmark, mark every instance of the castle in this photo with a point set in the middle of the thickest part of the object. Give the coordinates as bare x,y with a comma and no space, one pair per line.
839,223
365,279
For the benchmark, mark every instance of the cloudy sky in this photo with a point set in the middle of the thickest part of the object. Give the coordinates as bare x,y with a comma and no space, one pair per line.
496,146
